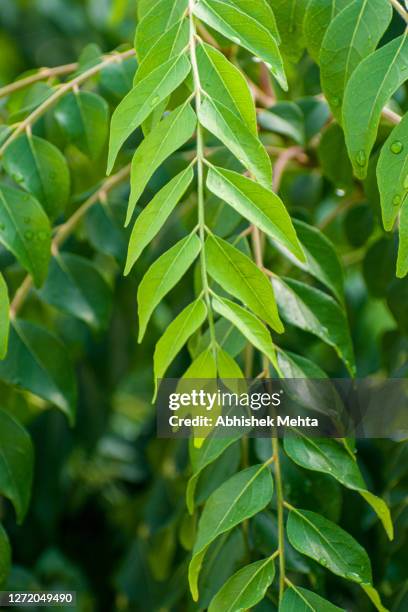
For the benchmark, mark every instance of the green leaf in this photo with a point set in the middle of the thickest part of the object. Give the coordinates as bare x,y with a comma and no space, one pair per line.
229,129
379,266
143,7
284,118
165,138
329,457
169,45
38,362
237,499
334,159
40,168
90,56
317,313
289,16
402,261
238,274
104,228
142,99
328,544
25,231
257,204
16,464
248,23
75,286
25,101
346,43
322,261
370,87
4,317
392,173
160,18
116,79
162,275
84,118
202,457
227,366
319,14
176,335
203,366
358,224
306,393
223,82
245,588
155,214
374,597
397,295
228,337
5,556
297,599
296,366
248,325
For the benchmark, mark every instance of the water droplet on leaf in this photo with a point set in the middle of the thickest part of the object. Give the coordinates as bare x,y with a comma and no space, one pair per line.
353,576
154,101
323,561
397,147
17,177
361,158
28,235
396,200
335,101
236,40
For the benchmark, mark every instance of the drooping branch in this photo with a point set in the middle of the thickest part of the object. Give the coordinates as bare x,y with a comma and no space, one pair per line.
200,173
66,229
41,75
62,91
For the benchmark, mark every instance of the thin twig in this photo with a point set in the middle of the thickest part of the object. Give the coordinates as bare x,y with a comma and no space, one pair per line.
205,35
260,96
42,75
258,252
387,113
66,229
200,149
338,210
400,9
283,160
266,82
60,92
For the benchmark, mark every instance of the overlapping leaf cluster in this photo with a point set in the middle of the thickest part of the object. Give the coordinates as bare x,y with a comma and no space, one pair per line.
207,97
54,128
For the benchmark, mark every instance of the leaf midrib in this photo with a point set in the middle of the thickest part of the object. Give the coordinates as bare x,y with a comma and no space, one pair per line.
244,278
231,507
17,228
231,608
